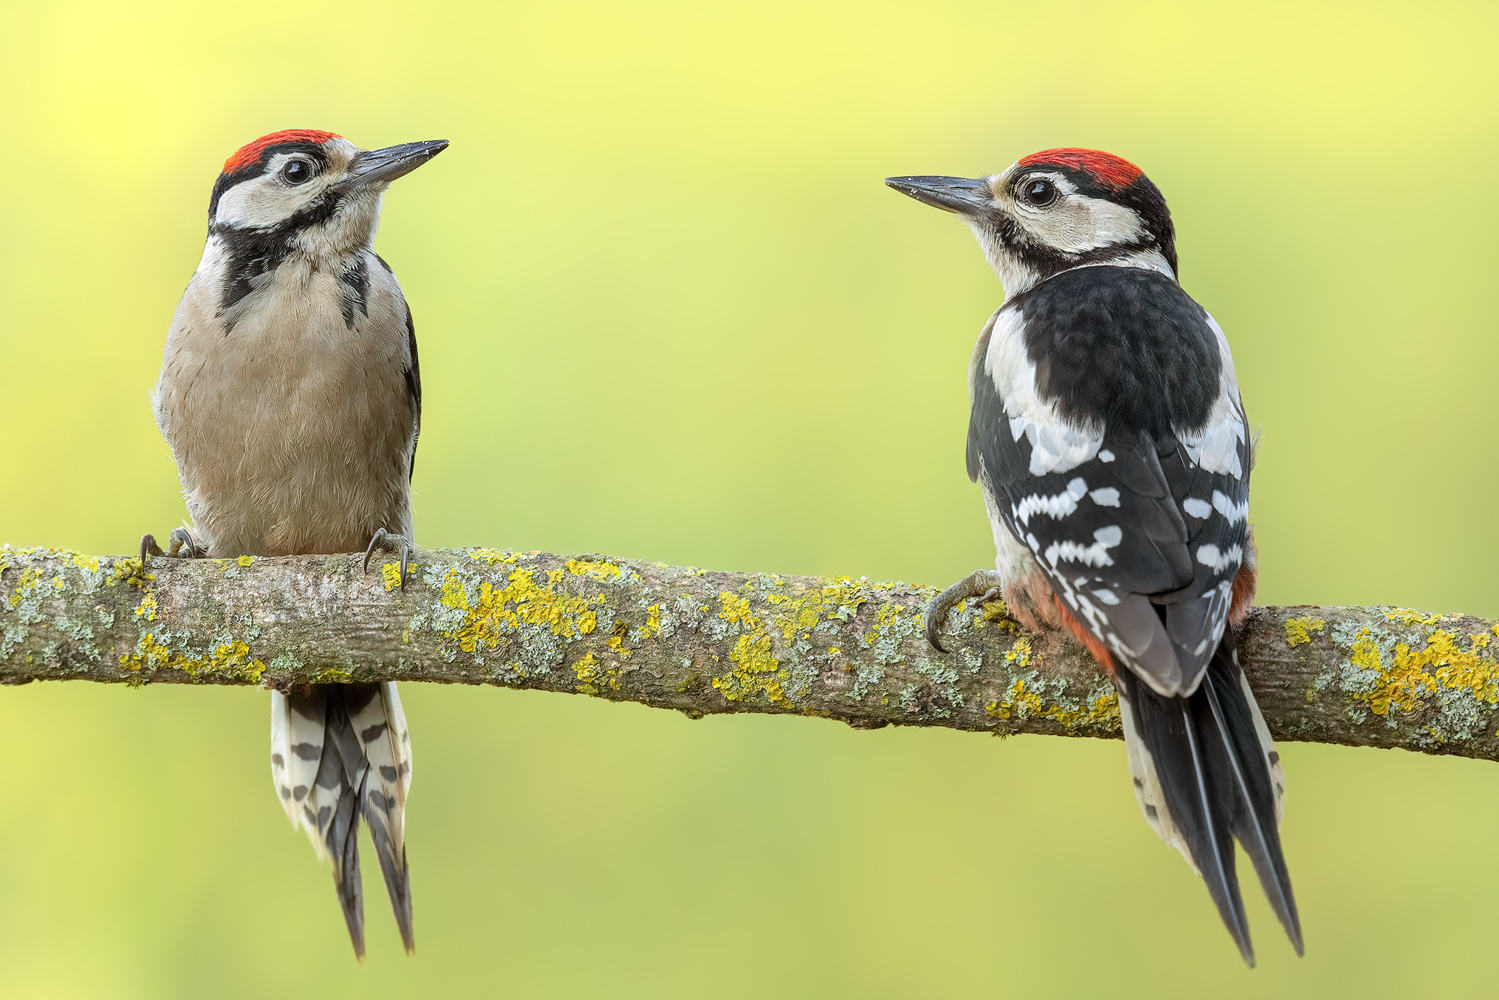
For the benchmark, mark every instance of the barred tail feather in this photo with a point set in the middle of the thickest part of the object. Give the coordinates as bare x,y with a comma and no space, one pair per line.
1206,773
375,712
328,776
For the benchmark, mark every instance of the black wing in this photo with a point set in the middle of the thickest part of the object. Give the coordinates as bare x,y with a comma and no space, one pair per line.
1135,511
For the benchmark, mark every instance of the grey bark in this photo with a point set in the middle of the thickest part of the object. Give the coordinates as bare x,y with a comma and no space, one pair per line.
702,642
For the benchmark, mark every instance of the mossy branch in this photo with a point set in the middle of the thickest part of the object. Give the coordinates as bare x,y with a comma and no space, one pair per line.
702,642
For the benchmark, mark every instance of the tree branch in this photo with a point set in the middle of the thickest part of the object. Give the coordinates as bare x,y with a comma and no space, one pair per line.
704,642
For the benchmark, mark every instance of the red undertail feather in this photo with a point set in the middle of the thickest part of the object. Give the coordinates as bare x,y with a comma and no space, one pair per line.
1243,595
250,152
1092,642
1106,168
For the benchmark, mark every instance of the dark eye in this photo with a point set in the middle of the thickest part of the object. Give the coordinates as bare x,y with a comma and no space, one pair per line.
1039,192
297,172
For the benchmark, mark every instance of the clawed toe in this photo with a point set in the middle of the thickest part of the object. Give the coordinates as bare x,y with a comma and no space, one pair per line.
387,541
180,545
983,584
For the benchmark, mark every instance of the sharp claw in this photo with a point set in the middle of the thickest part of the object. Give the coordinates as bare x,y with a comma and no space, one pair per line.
405,554
148,542
975,584
374,543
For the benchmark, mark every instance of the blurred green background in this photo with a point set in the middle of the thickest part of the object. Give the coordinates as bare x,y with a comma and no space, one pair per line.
667,309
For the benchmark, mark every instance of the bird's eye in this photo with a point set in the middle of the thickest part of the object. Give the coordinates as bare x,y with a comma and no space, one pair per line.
296,172
1039,192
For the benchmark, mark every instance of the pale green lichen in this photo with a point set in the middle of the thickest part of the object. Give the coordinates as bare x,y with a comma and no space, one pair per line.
1298,630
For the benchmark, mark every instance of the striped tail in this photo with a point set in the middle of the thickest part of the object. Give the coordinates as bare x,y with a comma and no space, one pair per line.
339,752
1206,773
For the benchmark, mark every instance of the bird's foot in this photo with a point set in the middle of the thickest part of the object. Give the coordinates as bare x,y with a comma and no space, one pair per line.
984,584
180,545
389,541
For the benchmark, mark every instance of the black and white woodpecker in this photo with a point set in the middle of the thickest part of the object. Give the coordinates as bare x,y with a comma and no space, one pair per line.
291,399
1110,442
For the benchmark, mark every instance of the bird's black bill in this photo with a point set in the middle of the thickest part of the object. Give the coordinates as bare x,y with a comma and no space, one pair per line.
963,195
381,166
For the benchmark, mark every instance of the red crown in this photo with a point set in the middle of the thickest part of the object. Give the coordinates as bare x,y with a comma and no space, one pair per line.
1105,168
250,152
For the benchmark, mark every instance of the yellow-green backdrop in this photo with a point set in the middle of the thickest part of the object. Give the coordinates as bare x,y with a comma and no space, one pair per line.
667,309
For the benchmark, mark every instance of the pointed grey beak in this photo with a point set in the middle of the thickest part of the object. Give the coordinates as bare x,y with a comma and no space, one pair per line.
963,195
378,167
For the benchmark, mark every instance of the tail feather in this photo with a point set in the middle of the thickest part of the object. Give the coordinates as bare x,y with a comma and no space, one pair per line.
1206,773
340,752
381,727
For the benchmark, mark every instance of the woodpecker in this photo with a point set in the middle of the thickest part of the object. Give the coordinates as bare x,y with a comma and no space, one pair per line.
1108,436
291,398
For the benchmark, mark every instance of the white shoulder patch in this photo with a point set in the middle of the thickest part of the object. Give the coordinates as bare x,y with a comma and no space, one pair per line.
1057,445
1215,446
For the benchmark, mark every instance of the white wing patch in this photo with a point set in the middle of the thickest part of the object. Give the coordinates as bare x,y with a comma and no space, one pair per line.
1096,554
1057,445
1108,496
1209,556
1197,508
1056,507
1232,512
1214,447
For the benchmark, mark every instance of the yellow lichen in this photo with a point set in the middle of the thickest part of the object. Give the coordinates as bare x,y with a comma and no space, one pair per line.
884,618
591,675
597,570
1298,630
130,571
802,610
88,563
1020,652
1412,674
492,557
1405,616
246,561
521,602
232,657
147,607
333,675
1022,703
391,573
756,668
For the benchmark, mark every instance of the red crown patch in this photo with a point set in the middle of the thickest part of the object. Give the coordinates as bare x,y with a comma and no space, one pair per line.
250,152
1107,169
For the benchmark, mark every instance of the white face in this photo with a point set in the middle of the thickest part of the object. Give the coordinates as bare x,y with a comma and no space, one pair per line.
1050,213
294,182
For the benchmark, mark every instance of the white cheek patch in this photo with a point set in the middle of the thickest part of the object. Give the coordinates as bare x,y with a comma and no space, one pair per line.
262,202
1076,223
1056,444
